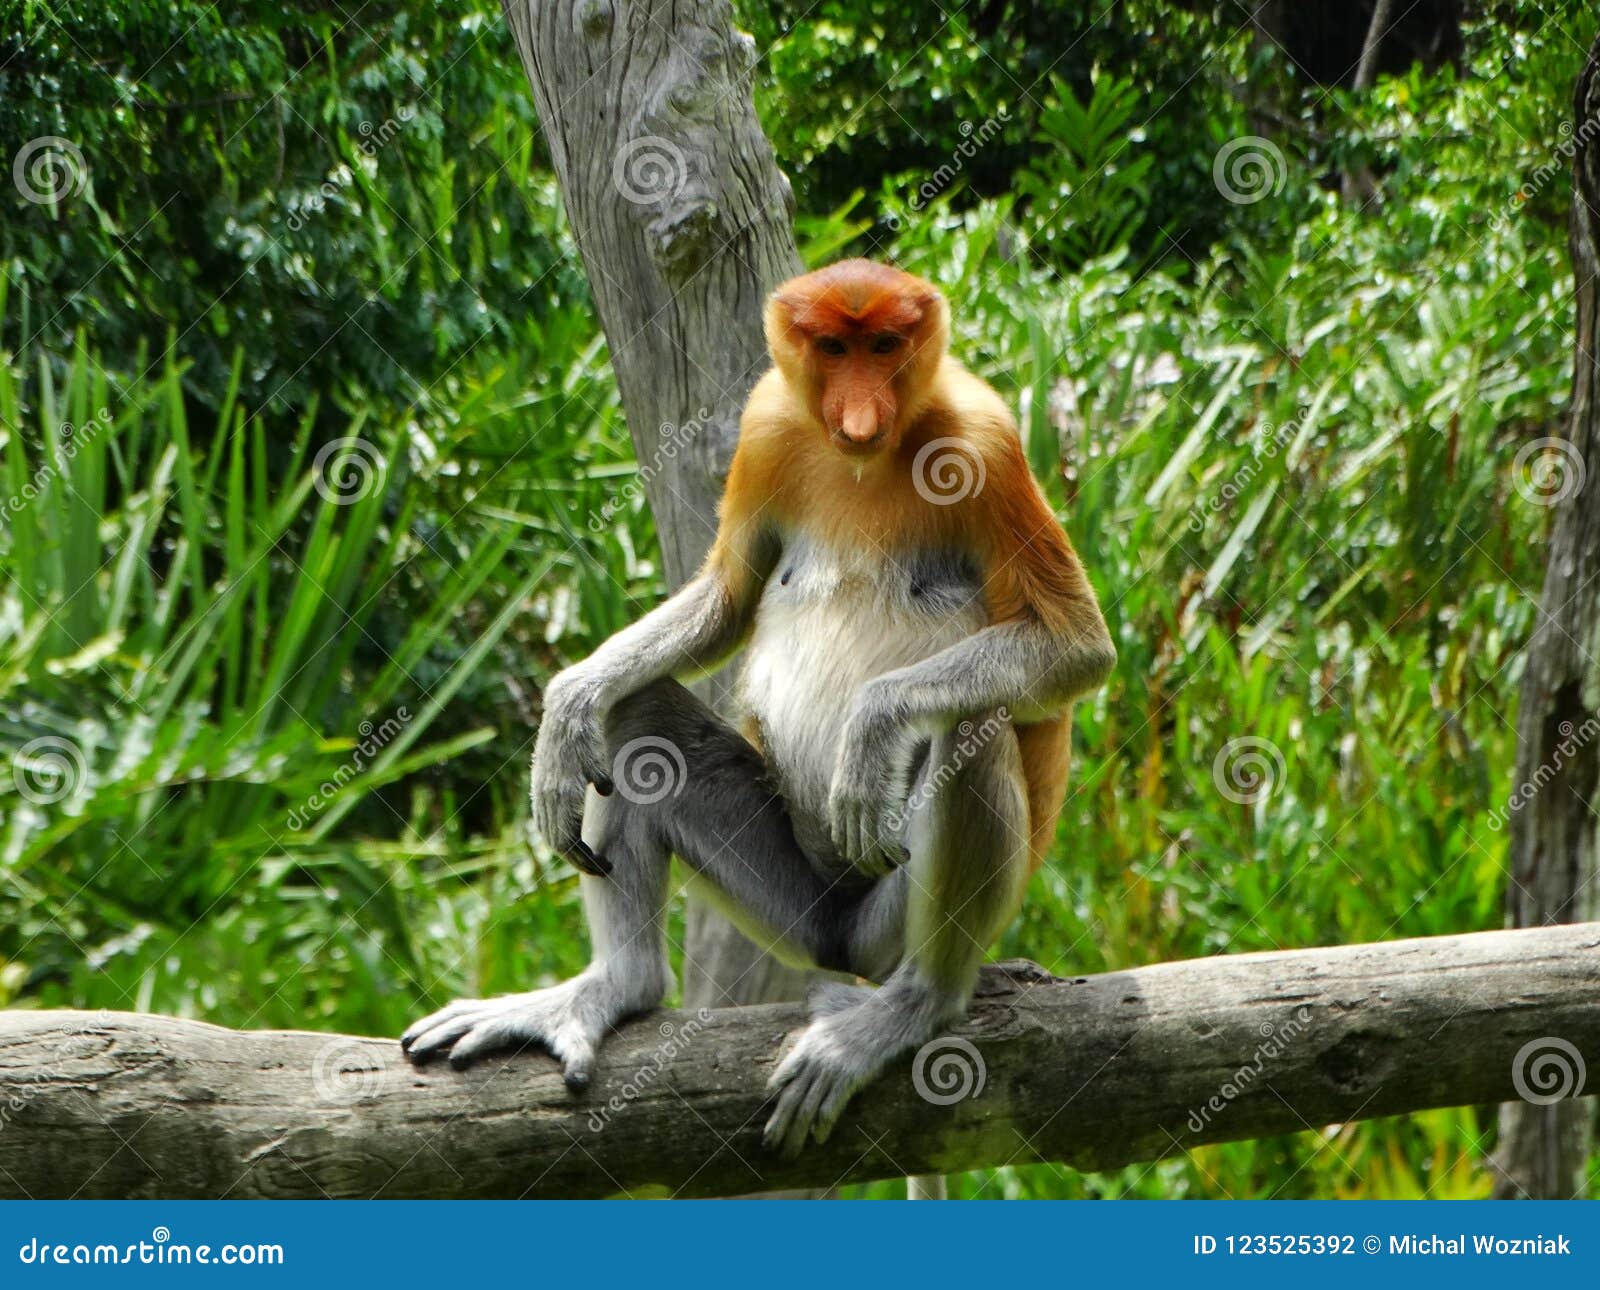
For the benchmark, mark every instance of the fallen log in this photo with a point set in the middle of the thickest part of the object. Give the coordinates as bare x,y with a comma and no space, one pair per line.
1094,1072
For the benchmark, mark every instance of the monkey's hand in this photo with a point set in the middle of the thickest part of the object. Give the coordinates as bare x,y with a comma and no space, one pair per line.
568,756
867,800
568,1021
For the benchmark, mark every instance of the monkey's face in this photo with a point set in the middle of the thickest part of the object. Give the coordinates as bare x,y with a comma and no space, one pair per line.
856,376
858,342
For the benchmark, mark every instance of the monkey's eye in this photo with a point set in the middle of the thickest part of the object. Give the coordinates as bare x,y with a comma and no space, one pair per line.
831,345
886,343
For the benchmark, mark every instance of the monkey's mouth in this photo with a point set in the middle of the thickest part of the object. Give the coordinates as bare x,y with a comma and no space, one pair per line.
857,447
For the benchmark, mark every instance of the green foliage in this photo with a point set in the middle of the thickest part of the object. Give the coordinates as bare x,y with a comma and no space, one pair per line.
193,695
877,88
342,201
1089,194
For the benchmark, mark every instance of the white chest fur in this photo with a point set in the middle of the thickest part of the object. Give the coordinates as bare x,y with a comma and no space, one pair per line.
828,622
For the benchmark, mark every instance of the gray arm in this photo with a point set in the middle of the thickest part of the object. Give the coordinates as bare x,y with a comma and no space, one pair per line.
694,631
1020,666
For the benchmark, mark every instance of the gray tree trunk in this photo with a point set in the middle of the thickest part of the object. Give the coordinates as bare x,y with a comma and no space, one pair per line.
685,224
1097,1072
1543,1150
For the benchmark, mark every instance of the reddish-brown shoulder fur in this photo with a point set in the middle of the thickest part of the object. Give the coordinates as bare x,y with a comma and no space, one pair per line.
749,505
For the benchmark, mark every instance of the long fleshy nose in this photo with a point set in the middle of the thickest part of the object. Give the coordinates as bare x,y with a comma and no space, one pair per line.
860,424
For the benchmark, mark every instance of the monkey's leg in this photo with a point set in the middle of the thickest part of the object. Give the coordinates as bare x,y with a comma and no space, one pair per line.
687,783
969,843
628,972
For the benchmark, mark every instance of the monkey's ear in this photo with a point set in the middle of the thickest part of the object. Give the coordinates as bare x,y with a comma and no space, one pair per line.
786,315
931,301
782,308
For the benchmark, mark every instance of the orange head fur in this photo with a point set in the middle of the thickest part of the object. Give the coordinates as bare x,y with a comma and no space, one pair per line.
859,343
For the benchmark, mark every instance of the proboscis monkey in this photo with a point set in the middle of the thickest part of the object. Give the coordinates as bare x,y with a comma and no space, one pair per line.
916,628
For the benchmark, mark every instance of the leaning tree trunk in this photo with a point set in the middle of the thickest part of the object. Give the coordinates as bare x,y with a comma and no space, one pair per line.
1554,860
684,222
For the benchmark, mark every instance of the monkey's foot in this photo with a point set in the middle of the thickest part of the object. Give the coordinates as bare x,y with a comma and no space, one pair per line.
567,1021
854,1034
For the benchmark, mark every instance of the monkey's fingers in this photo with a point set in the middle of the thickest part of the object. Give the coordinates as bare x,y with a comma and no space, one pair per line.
831,1110
786,1129
577,1056
583,857
427,1036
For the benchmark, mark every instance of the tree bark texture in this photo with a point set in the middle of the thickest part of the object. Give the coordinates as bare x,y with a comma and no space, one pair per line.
1095,1072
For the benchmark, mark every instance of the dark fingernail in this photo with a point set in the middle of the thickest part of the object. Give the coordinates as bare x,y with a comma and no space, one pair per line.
604,786
596,866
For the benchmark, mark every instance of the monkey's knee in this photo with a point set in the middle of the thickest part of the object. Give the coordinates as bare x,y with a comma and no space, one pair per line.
662,709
